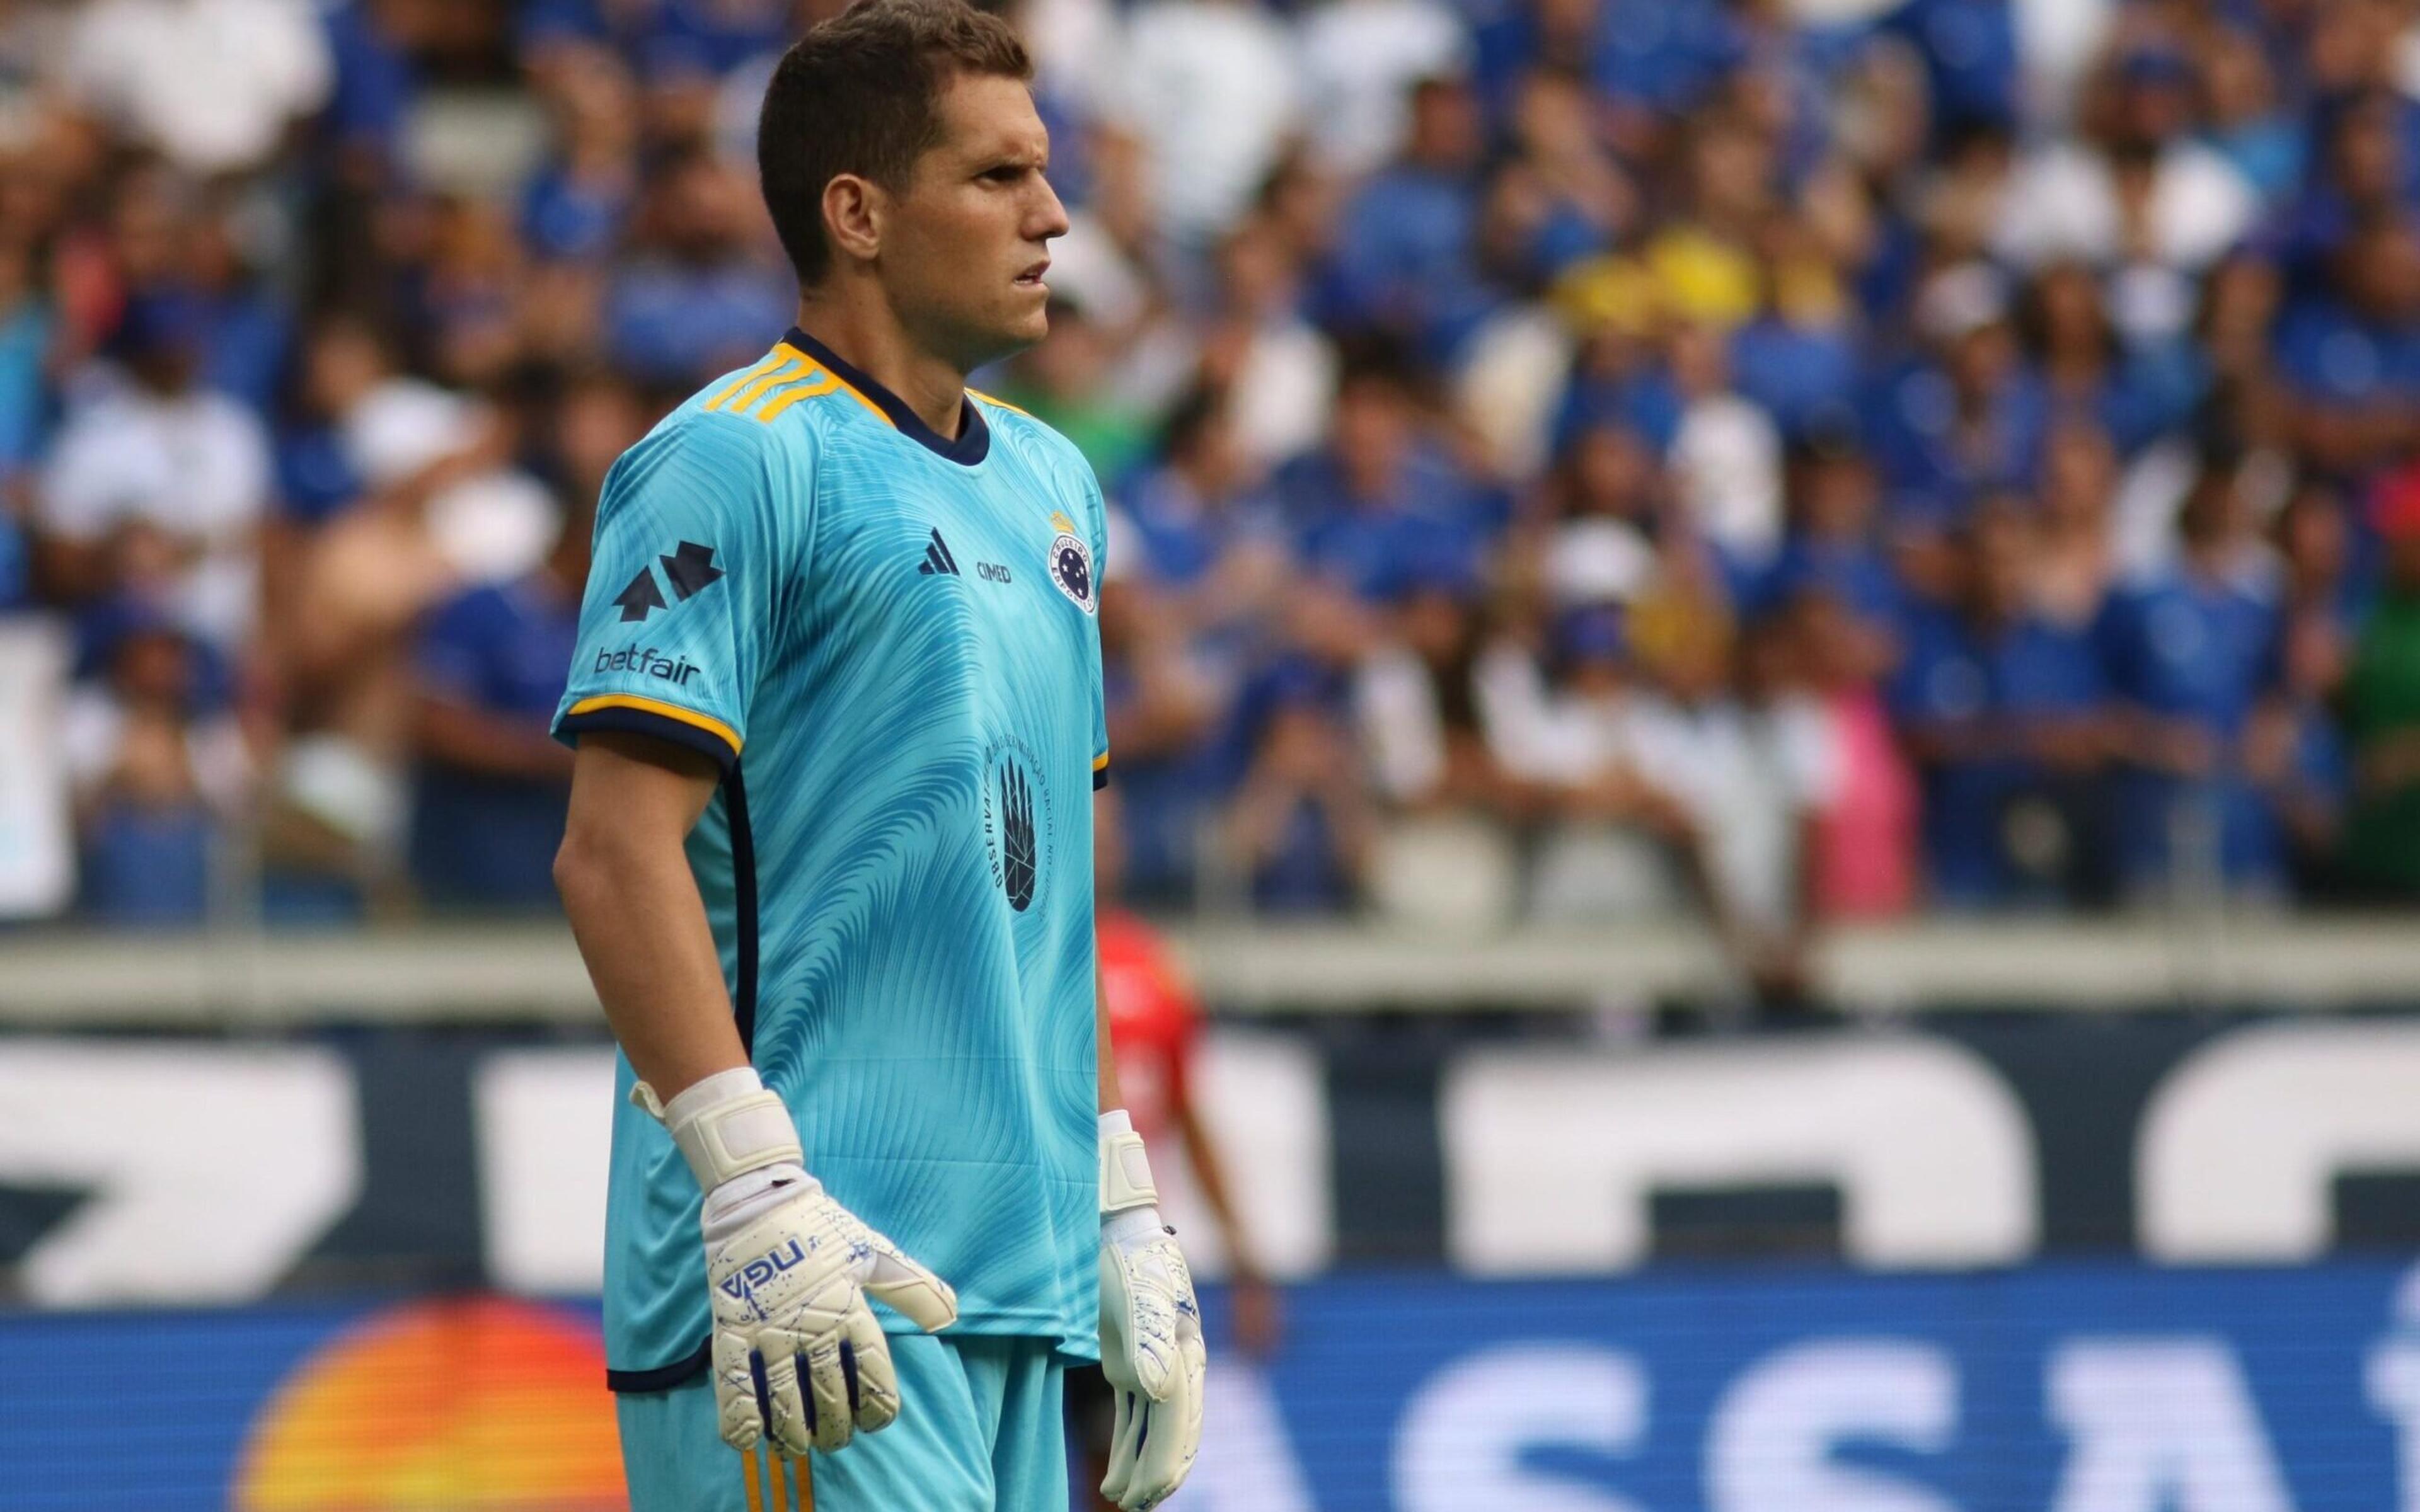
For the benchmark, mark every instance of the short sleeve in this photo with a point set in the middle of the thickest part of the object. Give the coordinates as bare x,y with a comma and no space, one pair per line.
683,587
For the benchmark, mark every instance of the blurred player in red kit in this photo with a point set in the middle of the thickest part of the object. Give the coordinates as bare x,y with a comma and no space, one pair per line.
1154,1024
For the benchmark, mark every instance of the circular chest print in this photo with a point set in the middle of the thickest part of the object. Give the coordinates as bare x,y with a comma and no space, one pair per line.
1017,820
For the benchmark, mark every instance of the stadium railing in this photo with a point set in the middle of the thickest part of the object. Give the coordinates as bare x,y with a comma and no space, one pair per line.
531,972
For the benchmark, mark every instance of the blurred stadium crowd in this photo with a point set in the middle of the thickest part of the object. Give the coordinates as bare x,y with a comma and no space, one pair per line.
1572,459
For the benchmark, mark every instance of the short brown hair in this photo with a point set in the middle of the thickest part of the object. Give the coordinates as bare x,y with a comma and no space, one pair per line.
861,94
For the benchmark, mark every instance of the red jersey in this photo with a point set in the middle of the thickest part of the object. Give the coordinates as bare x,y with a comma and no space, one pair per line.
1152,1021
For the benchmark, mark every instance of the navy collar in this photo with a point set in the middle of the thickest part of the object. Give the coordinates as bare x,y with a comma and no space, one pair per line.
974,438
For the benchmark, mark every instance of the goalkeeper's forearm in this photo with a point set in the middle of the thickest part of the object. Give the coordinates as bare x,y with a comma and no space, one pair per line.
1104,1061
635,910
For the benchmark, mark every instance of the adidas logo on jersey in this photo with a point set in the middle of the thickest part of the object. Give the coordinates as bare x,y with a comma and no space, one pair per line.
937,559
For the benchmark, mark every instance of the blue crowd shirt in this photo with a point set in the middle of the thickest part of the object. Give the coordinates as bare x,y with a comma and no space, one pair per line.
477,837
1954,673
2202,651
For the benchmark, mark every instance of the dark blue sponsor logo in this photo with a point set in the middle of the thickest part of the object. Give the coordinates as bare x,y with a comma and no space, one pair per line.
641,599
647,662
690,568
938,561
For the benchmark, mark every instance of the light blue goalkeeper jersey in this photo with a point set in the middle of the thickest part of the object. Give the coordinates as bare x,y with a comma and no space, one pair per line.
889,643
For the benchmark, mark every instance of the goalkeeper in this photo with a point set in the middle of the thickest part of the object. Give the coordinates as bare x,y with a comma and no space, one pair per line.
837,705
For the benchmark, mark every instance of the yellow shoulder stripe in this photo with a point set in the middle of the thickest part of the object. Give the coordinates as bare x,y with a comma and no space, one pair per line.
822,382
785,377
839,382
1001,404
671,710
786,373
777,358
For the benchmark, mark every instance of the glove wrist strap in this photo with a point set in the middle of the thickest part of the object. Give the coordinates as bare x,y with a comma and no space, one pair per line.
726,1125
1125,1174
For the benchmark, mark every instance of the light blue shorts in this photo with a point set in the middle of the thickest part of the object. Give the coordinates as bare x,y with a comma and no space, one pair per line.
981,1428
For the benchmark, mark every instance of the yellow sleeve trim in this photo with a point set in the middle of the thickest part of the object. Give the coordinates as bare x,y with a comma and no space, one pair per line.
1101,762
671,710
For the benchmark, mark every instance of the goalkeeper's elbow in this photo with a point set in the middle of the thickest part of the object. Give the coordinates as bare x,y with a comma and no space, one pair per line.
584,871
605,856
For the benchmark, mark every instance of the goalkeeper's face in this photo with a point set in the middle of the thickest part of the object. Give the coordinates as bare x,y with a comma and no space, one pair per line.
967,246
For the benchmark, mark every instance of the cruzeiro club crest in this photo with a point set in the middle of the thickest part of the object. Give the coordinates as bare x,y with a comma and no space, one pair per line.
1017,820
1071,563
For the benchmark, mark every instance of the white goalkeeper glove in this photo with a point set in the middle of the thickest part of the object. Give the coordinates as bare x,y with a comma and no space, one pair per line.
789,1270
1151,1331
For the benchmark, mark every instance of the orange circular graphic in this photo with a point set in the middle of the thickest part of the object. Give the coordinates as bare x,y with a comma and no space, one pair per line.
476,1406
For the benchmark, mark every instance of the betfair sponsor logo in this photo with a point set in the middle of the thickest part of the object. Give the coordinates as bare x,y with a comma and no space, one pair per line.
647,662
